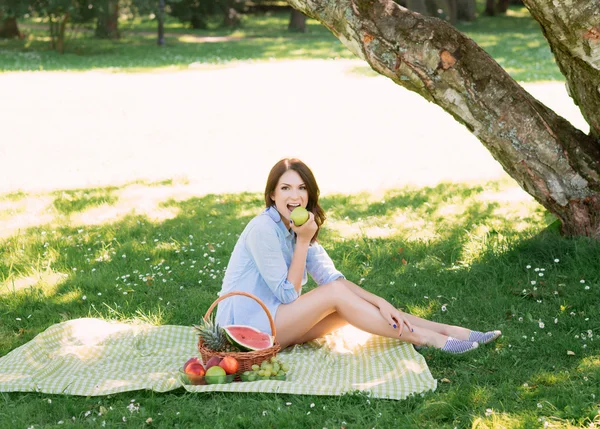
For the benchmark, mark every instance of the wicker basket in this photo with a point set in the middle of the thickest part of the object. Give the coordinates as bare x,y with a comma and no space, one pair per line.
245,359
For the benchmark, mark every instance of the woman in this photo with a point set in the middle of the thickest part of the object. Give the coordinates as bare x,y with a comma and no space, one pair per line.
271,260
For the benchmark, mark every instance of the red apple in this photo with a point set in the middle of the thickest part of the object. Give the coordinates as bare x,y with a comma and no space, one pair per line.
213,361
190,361
229,364
195,369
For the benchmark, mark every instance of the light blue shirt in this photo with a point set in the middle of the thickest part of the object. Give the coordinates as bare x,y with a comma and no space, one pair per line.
259,265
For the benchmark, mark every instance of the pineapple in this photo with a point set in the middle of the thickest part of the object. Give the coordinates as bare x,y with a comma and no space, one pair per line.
213,336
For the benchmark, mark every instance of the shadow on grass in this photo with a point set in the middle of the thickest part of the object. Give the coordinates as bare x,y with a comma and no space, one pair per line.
169,272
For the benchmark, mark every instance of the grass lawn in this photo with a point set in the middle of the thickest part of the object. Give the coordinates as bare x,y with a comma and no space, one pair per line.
514,40
461,254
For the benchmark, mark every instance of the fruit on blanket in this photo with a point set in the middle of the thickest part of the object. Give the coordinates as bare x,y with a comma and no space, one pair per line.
247,338
229,364
190,361
213,336
213,361
299,216
195,369
215,375
269,369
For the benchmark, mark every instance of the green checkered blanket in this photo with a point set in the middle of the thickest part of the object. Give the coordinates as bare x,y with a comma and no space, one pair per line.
93,357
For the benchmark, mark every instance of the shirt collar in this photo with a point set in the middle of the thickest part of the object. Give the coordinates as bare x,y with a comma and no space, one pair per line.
274,214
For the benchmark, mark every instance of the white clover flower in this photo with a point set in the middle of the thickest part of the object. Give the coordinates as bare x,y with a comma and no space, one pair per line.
582,281
541,325
557,260
528,266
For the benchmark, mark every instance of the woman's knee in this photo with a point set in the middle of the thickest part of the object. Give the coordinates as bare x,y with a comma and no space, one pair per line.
335,288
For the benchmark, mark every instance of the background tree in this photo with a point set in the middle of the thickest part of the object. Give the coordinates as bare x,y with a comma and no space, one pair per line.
492,7
552,160
10,10
449,10
297,22
107,26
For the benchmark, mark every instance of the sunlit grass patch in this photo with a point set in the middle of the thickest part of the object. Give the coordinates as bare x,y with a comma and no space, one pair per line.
67,202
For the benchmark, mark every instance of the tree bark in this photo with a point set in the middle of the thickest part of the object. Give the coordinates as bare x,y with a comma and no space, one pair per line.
552,160
108,21
9,28
297,22
573,31
490,7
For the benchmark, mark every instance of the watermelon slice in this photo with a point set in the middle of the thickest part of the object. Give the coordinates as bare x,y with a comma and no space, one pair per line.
248,338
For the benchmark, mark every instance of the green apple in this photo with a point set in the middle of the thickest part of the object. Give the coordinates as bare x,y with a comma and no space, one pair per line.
215,375
299,216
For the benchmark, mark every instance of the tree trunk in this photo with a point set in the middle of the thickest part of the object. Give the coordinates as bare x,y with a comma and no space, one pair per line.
297,22
465,10
108,21
62,31
161,23
502,6
490,7
573,32
552,160
58,30
9,28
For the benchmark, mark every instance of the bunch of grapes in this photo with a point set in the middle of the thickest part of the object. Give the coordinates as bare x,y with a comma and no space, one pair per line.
271,369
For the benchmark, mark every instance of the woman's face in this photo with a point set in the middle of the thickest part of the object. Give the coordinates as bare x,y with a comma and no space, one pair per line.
289,193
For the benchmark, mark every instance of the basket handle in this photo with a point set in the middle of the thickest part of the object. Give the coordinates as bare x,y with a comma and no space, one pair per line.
249,295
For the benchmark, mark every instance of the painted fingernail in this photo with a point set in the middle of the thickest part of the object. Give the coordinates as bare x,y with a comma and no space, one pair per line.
395,326
412,330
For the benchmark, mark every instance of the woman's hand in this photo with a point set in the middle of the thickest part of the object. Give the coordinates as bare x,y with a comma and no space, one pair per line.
395,317
307,230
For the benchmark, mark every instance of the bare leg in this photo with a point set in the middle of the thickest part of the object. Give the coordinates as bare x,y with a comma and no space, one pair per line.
441,328
295,320
328,324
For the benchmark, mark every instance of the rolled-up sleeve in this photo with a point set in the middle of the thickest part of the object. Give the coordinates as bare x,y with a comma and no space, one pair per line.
320,266
265,249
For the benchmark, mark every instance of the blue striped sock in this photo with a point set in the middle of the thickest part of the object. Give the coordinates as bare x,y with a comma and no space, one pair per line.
484,337
456,346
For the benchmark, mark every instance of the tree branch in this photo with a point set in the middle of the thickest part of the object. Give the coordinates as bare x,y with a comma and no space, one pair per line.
432,58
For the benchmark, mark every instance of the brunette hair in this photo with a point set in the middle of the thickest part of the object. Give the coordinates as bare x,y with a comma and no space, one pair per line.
309,180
